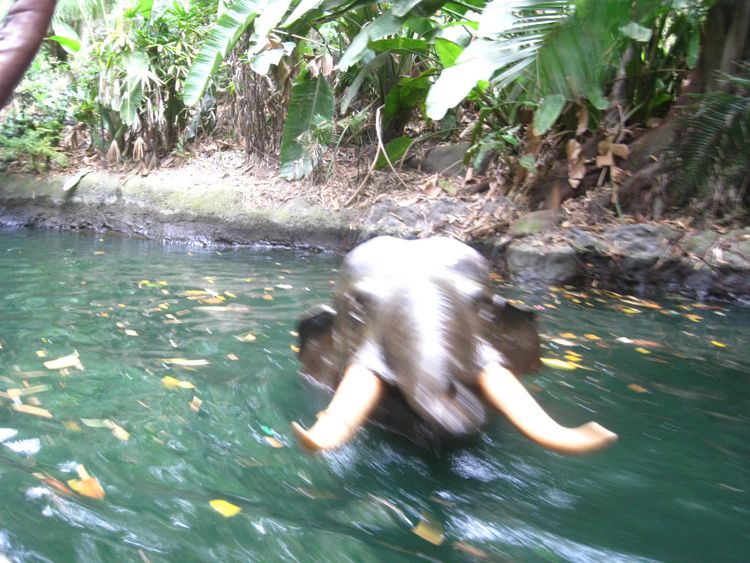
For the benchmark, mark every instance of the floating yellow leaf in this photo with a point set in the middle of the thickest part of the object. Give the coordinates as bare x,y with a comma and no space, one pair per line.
233,357
693,317
628,310
294,348
591,337
718,344
87,485
72,425
117,431
563,342
29,409
646,343
130,332
41,353
642,350
429,531
637,388
573,358
560,364
249,337
69,361
213,300
184,362
225,508
16,392
174,383
229,294
195,404
273,442
268,297
568,335
641,303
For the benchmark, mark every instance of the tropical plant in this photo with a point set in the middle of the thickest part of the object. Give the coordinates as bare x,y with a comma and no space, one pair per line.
710,158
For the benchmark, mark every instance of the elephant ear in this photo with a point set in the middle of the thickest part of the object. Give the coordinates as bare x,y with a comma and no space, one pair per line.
514,333
316,348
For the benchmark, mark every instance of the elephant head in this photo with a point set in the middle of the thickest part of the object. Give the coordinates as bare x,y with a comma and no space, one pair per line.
416,322
21,33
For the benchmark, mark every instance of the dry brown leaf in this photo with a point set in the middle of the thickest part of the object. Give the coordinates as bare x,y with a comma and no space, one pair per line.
583,119
605,160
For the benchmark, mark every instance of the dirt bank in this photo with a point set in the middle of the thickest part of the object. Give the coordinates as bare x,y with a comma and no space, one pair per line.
201,205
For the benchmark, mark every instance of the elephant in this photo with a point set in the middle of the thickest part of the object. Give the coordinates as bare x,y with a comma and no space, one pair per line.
416,333
21,32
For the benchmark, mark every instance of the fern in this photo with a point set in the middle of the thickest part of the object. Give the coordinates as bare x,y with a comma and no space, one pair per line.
712,151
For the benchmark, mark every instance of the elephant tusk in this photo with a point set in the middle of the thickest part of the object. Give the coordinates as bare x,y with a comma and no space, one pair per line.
355,398
508,395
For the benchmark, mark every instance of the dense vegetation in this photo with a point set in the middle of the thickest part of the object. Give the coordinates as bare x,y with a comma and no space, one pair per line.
650,98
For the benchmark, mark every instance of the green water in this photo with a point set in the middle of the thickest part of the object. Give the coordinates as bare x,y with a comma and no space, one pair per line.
674,488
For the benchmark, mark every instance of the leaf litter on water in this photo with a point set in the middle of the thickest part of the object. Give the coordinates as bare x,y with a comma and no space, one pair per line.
86,485
174,383
225,508
70,361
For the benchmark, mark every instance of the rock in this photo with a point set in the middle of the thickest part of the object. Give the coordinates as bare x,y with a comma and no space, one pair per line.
534,223
640,246
732,251
548,264
699,243
448,160
584,241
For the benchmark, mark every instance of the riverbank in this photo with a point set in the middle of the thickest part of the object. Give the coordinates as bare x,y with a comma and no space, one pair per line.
205,206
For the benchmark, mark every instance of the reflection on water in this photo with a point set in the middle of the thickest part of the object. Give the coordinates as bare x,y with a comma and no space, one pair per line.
671,378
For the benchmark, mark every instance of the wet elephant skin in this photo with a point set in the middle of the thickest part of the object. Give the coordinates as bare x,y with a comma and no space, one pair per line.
421,316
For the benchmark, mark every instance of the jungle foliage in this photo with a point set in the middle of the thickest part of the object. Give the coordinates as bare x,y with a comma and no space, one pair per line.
300,78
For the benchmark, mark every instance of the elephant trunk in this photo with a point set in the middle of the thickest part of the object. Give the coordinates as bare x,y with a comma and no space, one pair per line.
356,396
506,393
21,33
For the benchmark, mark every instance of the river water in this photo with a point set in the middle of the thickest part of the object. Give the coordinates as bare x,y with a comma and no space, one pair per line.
148,321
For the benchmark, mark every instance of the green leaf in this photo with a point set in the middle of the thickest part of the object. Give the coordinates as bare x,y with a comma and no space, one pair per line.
69,44
131,101
66,36
596,97
402,7
144,8
310,98
395,150
636,32
220,40
301,9
406,95
528,162
447,51
406,44
693,49
548,112
386,24
479,61
267,20
262,62
369,68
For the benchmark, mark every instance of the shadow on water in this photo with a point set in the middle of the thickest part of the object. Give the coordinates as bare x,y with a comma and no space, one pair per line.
671,378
